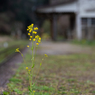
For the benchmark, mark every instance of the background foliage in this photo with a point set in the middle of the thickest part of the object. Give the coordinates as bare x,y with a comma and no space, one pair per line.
21,12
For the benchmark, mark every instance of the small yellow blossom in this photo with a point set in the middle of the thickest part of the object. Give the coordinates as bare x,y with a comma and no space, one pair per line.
34,32
26,68
30,36
46,55
28,33
34,39
32,25
29,70
39,38
28,27
30,30
36,28
27,45
17,50
30,39
34,91
37,43
35,36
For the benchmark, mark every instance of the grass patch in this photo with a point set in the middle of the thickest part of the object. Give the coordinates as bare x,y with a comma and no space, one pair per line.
59,75
84,42
7,52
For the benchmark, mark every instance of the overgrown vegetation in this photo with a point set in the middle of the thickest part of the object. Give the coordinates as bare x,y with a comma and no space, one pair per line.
17,14
59,75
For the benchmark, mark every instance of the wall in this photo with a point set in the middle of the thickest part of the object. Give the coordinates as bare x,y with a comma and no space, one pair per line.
87,8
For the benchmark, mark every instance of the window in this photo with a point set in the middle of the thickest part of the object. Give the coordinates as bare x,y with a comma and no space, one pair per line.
93,21
87,21
84,21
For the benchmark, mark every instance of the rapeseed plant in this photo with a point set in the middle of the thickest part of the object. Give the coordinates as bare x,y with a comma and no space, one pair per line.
36,40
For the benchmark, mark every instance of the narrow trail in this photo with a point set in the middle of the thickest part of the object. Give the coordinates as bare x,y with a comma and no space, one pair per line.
62,48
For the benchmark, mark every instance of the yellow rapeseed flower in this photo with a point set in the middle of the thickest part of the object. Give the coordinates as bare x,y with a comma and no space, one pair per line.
26,68
35,36
29,70
34,91
30,39
39,38
32,25
46,55
30,36
28,33
17,50
27,45
30,30
37,43
34,32
34,39
36,28
28,27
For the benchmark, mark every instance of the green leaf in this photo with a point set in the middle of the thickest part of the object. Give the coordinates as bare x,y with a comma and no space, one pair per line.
17,91
32,58
5,93
40,64
15,80
33,65
32,48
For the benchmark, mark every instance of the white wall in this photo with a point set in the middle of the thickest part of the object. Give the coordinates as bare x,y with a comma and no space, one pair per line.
87,8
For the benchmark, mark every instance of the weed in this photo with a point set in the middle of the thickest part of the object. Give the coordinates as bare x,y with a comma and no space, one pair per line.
30,70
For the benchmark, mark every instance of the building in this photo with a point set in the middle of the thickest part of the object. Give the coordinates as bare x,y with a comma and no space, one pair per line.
81,16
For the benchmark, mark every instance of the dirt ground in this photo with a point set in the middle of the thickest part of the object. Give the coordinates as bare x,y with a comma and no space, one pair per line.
62,48
49,48
5,38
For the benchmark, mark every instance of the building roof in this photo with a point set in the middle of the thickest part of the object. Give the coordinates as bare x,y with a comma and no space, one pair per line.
69,6
57,4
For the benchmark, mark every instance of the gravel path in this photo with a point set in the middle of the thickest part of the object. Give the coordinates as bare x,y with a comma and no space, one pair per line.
61,48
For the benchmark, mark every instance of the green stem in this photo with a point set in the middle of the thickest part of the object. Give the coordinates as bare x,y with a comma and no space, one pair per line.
32,63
